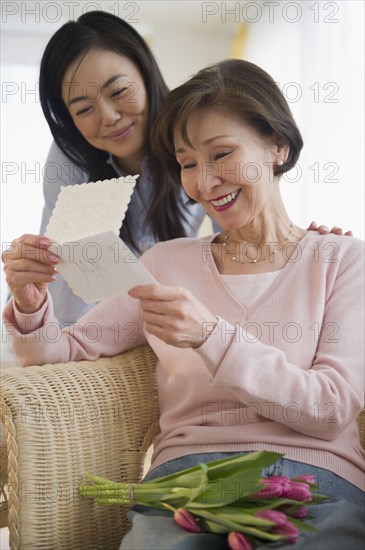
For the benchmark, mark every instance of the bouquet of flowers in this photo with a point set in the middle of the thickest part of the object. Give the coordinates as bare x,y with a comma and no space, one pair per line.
225,496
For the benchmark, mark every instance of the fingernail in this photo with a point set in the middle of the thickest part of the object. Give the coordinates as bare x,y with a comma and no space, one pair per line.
53,258
44,242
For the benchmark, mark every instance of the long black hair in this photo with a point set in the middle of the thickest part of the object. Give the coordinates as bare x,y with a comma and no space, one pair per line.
104,31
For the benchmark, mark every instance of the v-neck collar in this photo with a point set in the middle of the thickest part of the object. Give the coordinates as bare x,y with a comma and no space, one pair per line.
269,296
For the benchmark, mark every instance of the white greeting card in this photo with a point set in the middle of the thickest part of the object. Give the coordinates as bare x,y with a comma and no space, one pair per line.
84,227
100,267
89,209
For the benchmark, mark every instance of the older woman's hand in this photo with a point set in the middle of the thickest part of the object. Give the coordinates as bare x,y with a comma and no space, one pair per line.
174,315
29,268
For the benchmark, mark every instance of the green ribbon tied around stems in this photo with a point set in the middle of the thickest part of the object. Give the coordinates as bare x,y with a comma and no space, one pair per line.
223,495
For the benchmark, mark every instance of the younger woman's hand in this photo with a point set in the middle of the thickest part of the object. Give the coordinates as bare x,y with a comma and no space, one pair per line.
29,268
323,230
174,315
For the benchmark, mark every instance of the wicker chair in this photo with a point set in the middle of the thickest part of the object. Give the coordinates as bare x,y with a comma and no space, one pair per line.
67,419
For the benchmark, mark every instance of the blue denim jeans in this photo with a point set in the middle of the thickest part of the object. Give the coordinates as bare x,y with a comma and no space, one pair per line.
340,519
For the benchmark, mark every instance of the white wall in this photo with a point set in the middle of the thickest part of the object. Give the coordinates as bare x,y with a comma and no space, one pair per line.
315,51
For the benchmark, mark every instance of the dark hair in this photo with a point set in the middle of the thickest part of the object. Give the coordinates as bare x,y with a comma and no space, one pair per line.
238,88
104,31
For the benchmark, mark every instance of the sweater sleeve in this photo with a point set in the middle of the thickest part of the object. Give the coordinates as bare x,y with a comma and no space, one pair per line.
111,327
320,401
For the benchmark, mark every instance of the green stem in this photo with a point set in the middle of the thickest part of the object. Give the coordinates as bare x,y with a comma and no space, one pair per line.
169,507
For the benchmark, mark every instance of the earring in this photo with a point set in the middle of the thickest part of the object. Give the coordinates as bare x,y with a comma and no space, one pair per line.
280,162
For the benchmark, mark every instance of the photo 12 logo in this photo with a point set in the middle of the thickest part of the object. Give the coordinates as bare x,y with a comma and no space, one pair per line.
253,12
54,12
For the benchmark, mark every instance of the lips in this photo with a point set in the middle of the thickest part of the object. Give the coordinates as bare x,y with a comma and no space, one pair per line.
121,133
225,199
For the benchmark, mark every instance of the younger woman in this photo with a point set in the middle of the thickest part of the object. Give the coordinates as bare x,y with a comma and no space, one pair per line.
101,91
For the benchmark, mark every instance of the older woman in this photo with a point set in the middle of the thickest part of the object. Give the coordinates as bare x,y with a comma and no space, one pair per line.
258,329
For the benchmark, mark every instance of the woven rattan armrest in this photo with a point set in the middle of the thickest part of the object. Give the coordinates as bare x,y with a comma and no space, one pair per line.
67,419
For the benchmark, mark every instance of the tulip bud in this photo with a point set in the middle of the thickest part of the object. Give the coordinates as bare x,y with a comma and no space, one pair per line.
301,513
289,531
277,517
296,490
238,541
272,489
277,479
187,521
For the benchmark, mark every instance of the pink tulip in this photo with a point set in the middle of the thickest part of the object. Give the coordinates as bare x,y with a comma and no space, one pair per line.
272,489
277,517
296,490
238,541
290,532
301,513
282,480
187,521
282,486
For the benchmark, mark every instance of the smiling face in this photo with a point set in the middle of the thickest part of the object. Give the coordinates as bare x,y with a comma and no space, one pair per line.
228,168
106,97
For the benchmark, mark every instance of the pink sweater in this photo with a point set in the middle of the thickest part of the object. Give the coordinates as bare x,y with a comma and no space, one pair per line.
286,375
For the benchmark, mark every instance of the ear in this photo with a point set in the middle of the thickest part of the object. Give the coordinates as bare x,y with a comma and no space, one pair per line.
282,147
283,151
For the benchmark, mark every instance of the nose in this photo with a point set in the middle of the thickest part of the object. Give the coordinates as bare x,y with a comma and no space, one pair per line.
209,177
109,113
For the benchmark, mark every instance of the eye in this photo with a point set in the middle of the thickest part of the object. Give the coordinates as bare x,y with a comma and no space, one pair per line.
119,92
185,164
83,111
221,154
188,166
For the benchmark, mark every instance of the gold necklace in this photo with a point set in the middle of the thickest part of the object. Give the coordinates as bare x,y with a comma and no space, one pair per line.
238,259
